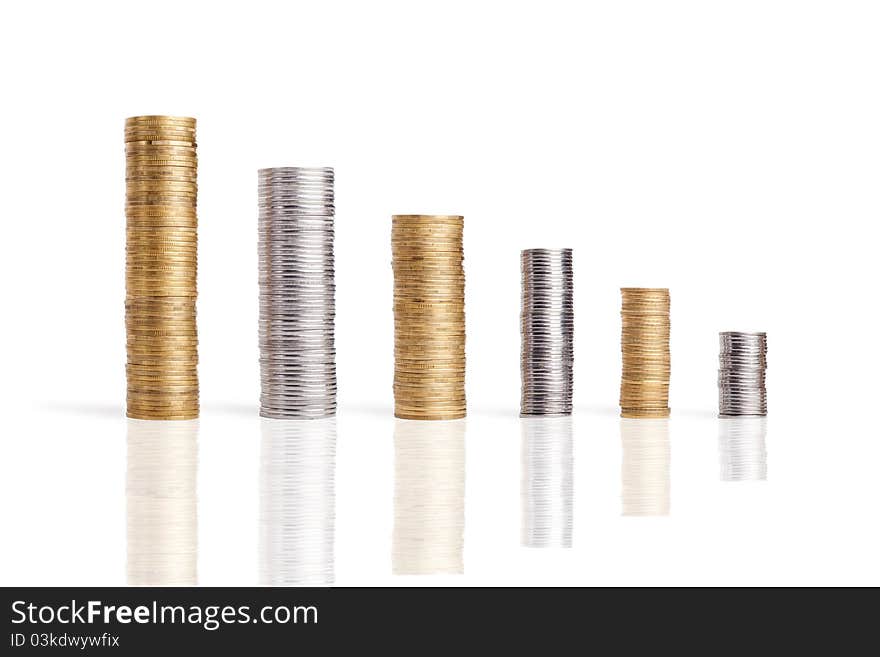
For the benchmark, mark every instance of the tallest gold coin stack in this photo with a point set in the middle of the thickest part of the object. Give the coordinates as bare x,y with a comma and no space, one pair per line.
428,317
160,301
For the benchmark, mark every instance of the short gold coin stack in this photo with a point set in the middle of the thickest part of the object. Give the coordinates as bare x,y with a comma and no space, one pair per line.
644,384
429,330
160,301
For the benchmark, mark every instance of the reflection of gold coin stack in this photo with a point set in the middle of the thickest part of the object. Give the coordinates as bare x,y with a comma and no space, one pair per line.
644,384
160,302
429,329
162,509
429,487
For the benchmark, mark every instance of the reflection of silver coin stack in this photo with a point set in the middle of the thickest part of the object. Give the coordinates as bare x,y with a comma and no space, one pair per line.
428,497
547,326
297,290
297,502
741,374
742,446
645,471
547,499
160,492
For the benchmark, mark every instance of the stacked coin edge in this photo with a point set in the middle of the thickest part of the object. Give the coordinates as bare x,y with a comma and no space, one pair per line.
645,329
297,292
429,320
742,366
161,268
547,332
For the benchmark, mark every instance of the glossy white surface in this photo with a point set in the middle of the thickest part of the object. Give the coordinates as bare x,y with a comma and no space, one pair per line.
67,525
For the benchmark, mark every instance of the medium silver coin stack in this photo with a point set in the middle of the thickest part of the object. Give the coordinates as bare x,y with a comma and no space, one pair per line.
742,370
547,326
297,293
547,482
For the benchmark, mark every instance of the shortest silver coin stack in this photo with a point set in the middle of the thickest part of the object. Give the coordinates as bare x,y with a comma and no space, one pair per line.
547,324
297,293
742,371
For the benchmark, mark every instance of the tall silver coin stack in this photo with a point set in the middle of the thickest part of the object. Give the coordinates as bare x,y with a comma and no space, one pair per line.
297,293
547,326
742,371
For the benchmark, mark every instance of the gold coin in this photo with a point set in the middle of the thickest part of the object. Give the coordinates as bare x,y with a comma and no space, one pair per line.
160,128
135,150
163,138
145,415
161,119
183,308
146,375
135,174
173,405
144,211
186,235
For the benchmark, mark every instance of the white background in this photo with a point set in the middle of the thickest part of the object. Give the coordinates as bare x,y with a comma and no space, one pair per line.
727,150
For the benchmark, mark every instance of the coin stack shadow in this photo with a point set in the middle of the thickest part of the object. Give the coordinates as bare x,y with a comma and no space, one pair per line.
161,505
547,482
297,293
645,487
547,328
742,369
429,327
429,482
161,251
644,384
297,502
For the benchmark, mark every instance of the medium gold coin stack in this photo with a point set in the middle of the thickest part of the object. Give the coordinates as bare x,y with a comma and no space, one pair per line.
160,276
429,360
644,384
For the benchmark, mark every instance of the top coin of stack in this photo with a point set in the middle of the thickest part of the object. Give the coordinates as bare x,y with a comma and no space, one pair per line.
644,384
160,312
429,329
